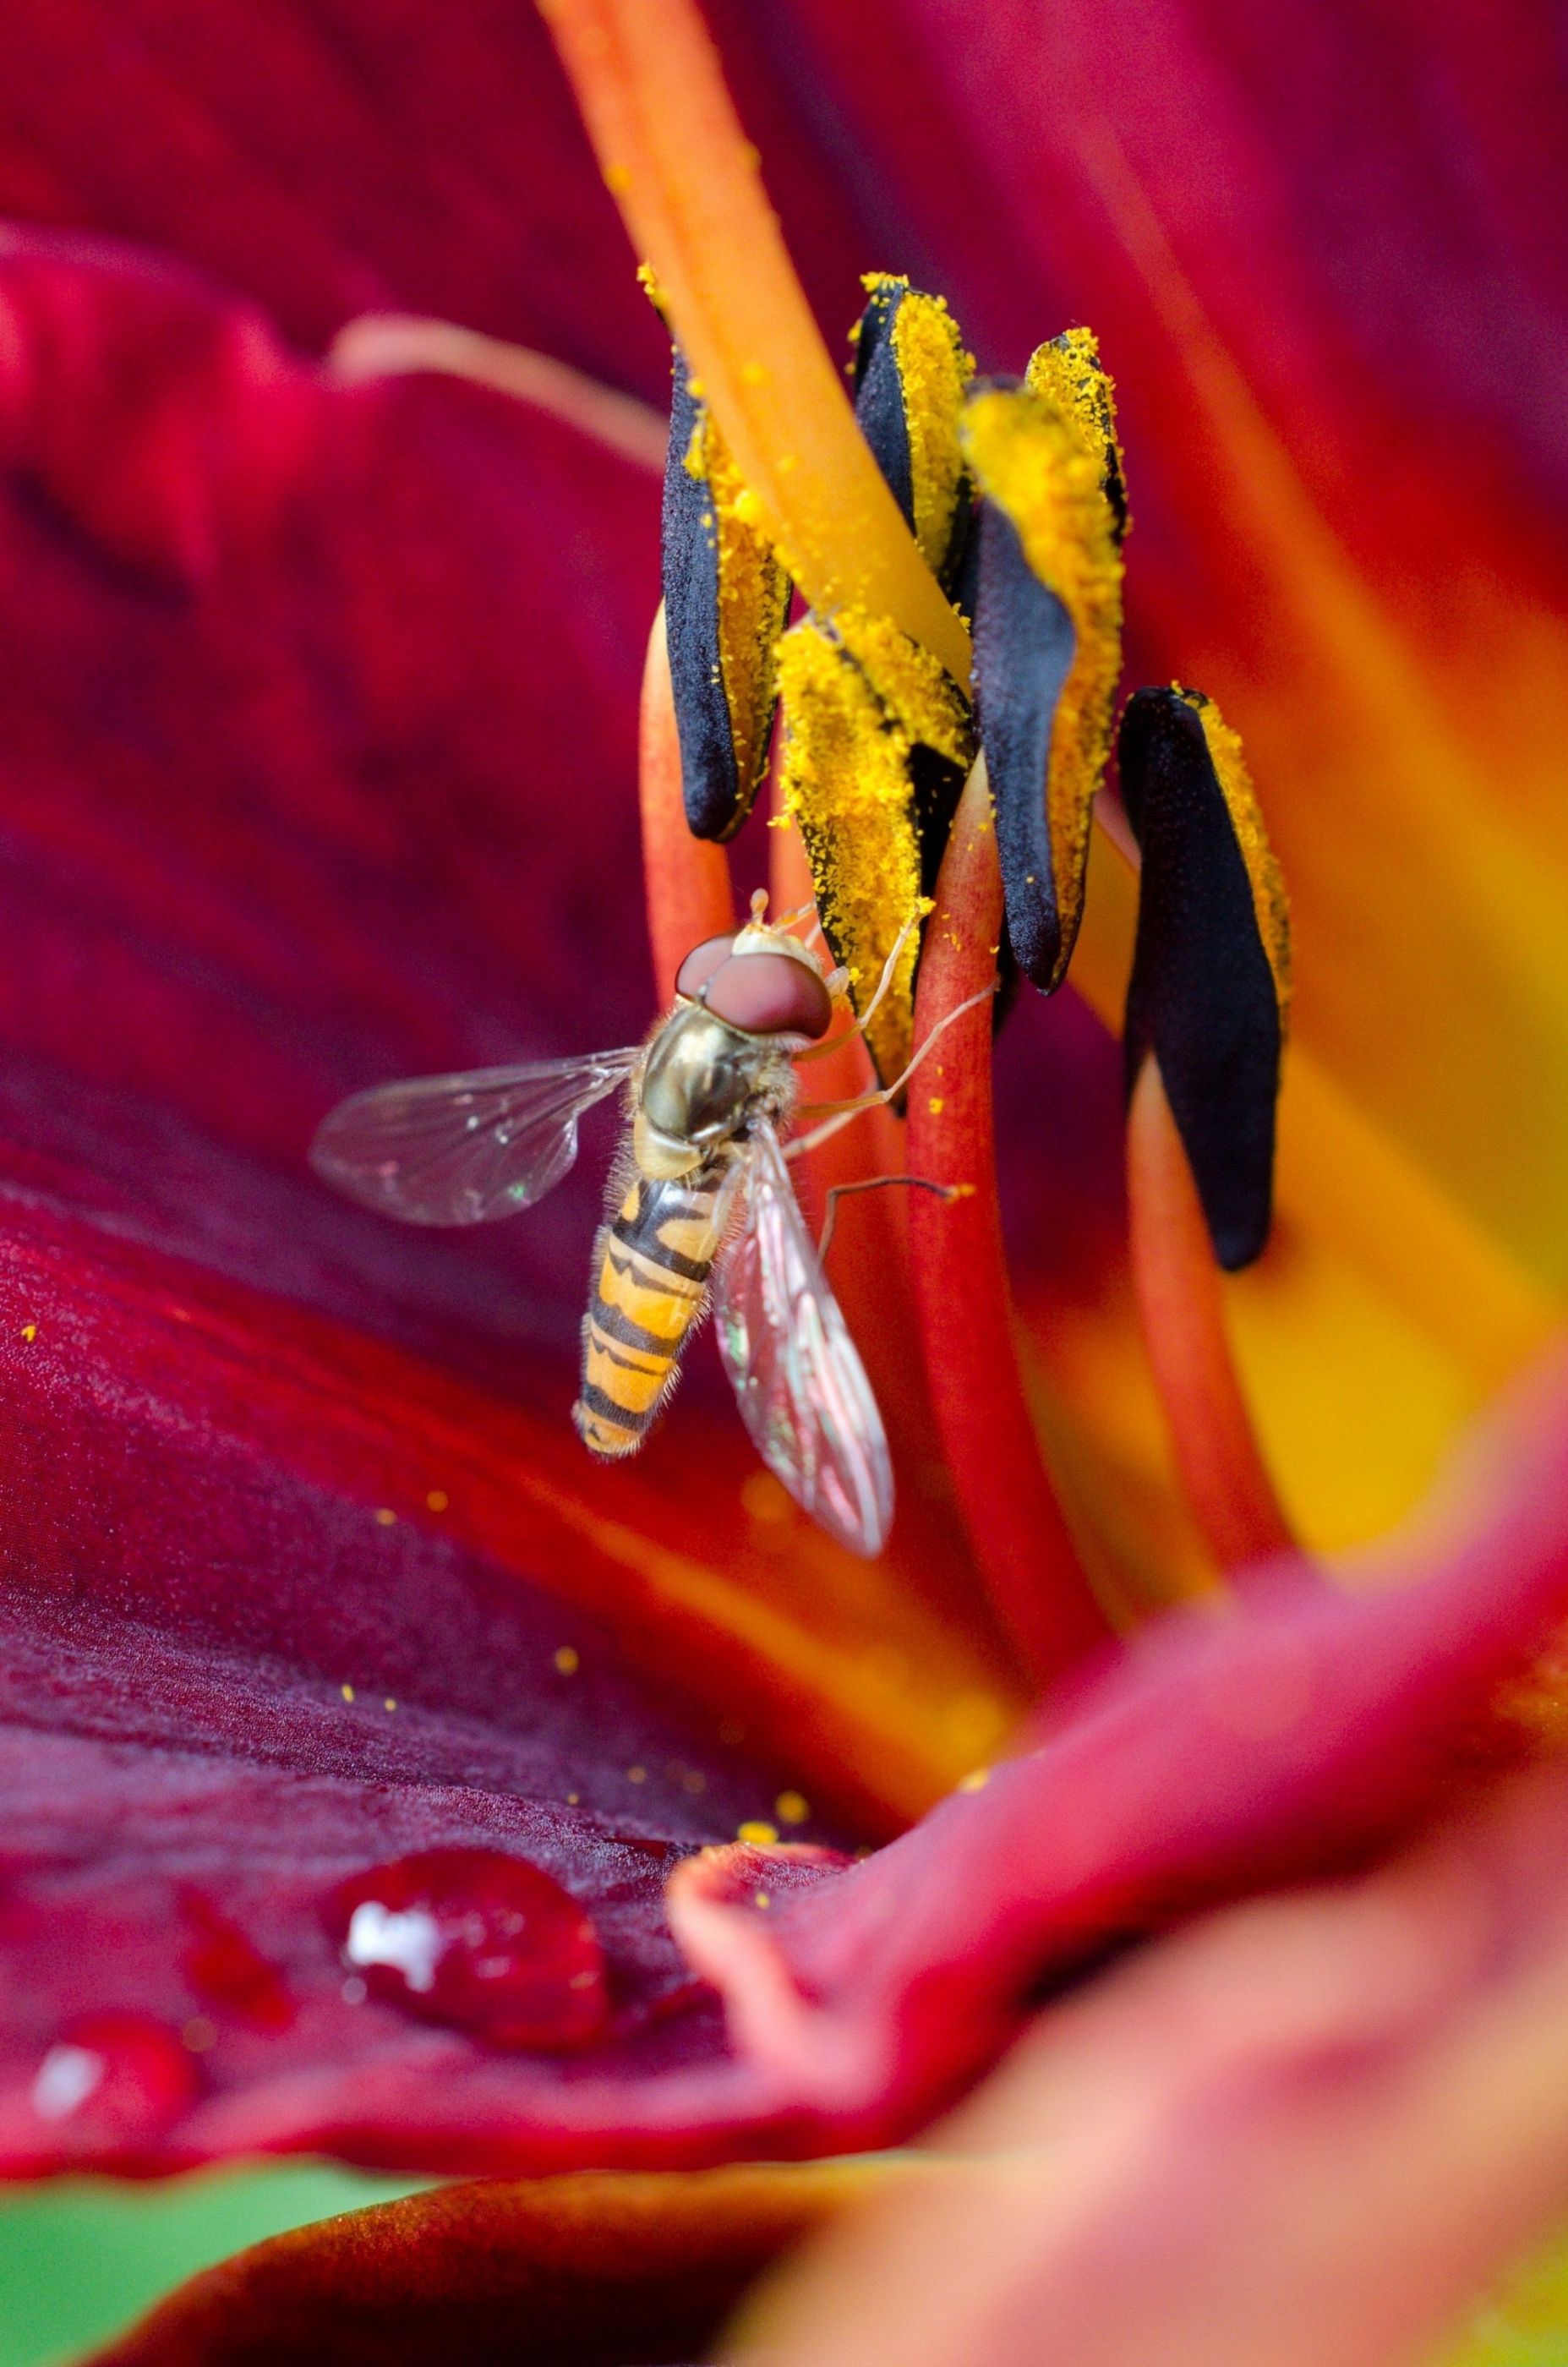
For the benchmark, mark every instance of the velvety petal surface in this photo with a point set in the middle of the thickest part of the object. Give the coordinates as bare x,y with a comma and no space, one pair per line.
584,2271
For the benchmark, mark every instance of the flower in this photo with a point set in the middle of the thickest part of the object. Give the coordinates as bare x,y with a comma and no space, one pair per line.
305,1583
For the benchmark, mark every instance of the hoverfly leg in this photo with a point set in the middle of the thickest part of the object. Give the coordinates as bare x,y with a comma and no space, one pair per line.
840,1113
837,1191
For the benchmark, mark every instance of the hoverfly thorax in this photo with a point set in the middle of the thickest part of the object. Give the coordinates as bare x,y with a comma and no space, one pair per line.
702,1080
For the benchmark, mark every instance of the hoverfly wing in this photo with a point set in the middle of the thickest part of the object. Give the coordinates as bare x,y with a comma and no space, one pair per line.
797,1377
463,1149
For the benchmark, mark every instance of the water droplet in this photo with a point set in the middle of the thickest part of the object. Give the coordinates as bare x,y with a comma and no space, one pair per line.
226,1968
114,2079
480,1941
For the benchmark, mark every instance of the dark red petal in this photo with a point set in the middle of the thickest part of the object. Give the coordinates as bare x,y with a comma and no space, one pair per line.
595,2272
245,1665
320,768
341,159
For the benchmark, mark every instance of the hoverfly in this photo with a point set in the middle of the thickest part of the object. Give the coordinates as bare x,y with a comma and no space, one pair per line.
700,1202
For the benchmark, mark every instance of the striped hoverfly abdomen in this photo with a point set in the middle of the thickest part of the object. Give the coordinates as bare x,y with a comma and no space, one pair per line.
653,1260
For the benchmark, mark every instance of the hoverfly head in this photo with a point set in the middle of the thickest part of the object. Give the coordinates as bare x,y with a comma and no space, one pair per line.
761,979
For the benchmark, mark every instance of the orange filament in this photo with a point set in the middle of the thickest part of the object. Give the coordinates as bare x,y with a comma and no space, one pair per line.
674,157
1217,1454
686,879
959,1276
871,1263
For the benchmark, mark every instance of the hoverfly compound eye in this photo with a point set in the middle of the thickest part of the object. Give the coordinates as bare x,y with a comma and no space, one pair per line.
701,963
770,994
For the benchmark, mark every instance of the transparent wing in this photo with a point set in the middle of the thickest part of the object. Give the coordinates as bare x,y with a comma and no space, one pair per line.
799,1383
458,1151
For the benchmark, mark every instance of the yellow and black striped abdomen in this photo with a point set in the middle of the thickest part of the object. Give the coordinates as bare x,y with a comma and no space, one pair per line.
654,1258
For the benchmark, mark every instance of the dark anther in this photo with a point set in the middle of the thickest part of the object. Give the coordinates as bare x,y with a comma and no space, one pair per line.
1211,962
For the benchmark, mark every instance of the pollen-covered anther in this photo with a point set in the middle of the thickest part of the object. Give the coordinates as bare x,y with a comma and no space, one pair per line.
726,597
1047,631
911,372
1211,973
877,743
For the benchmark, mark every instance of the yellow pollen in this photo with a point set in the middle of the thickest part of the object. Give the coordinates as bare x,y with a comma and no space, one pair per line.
791,1807
761,1898
29,1333
1270,903
567,1660
573,1799
756,1834
437,1500
934,371
347,1691
976,1781
385,1517
936,1106
390,1704
859,697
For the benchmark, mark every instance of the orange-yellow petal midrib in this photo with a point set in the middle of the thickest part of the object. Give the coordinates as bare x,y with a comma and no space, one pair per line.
1429,885
687,182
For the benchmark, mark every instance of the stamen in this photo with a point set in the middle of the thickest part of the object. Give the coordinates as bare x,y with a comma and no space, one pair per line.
673,156
727,599
1205,1026
686,879
1222,1466
1211,969
1047,637
877,738
959,1274
911,374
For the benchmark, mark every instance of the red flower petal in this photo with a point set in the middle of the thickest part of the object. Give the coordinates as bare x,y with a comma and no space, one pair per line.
335,160
603,2270
1230,1750
320,754
1312,2130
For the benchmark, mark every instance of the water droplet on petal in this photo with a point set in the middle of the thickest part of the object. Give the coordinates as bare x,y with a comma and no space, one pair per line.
480,1941
112,2079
